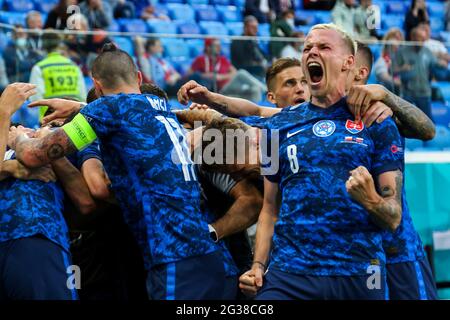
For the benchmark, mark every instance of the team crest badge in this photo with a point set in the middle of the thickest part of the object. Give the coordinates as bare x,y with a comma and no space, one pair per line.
354,127
324,128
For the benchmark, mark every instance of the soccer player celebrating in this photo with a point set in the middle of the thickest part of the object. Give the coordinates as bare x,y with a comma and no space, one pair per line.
147,160
340,185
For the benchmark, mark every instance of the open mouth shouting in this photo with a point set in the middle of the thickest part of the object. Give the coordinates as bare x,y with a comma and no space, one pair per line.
315,71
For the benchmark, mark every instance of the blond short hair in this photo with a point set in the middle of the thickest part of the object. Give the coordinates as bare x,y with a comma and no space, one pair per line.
349,41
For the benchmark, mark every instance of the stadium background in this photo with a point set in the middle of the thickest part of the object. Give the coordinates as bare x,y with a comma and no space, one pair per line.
191,21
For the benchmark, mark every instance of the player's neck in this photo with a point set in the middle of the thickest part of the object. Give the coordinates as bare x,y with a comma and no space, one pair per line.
122,89
328,100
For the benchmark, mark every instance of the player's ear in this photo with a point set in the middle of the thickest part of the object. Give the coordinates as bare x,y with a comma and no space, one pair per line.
271,97
349,63
363,73
98,87
139,75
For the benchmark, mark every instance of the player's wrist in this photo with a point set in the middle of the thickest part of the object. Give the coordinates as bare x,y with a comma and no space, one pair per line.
260,265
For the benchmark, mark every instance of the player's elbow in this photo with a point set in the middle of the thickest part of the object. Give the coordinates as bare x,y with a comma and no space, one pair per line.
395,221
99,190
429,134
28,158
87,206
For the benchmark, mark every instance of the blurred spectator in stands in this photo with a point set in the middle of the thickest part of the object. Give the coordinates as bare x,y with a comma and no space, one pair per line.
124,9
343,15
361,14
416,14
149,13
263,10
294,49
57,17
19,59
154,67
416,66
383,66
34,22
440,52
246,54
96,13
212,69
282,27
3,76
83,49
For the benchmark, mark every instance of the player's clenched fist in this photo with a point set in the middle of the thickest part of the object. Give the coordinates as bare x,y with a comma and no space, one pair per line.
195,92
361,187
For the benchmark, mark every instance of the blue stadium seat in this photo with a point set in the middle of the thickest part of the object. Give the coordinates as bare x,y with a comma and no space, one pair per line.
392,21
437,24
213,28
264,30
226,48
159,26
229,13
171,1
46,6
306,15
322,16
13,17
176,49
304,29
161,9
133,25
376,51
238,3
4,40
381,4
125,44
206,13
445,89
196,47
188,27
441,113
436,10
221,2
441,140
179,11
114,26
19,5
235,28
396,7
445,36
195,2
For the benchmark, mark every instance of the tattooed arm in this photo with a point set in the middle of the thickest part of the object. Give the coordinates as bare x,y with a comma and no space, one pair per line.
384,206
410,120
34,152
205,116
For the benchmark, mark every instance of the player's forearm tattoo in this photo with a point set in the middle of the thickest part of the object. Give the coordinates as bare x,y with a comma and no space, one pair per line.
38,152
411,121
222,107
387,214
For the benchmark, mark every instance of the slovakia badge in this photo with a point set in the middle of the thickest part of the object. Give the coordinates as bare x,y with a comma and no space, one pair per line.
354,127
324,128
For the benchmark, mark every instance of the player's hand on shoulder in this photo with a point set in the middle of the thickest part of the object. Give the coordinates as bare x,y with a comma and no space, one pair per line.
361,97
377,112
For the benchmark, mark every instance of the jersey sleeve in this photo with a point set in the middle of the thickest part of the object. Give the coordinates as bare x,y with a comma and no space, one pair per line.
222,181
97,119
388,154
90,152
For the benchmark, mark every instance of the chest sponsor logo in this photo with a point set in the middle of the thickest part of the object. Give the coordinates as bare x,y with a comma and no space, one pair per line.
354,127
354,140
324,128
290,134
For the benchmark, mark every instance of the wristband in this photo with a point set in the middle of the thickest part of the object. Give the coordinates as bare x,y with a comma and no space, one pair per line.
260,263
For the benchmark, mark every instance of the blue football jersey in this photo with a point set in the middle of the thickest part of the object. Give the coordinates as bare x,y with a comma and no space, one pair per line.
32,207
320,229
148,162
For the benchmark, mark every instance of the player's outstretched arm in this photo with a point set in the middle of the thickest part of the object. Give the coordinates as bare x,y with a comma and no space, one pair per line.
264,234
244,211
205,116
37,152
62,108
13,168
384,206
236,107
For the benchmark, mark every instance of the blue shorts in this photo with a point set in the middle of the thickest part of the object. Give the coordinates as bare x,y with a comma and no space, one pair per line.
34,268
195,278
411,281
279,285
231,288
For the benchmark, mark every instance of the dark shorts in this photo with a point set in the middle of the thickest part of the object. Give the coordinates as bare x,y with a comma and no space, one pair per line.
34,268
196,278
279,285
411,281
